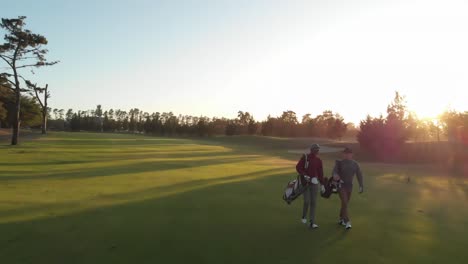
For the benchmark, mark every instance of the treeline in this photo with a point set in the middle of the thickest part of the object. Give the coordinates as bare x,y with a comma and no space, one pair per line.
327,124
380,136
384,137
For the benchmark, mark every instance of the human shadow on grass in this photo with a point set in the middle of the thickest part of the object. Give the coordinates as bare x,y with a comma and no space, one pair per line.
240,221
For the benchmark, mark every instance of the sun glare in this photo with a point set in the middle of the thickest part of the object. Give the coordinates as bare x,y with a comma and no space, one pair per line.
427,112
427,109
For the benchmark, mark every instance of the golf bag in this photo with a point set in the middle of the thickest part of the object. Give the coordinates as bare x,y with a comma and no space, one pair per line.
328,187
296,187
332,186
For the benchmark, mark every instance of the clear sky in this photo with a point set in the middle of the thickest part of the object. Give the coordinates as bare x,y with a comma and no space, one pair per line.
214,58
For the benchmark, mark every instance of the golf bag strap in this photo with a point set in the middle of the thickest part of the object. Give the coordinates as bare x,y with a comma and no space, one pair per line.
306,162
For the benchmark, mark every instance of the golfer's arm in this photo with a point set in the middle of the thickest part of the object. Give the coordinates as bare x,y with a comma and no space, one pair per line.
300,167
334,171
320,172
359,175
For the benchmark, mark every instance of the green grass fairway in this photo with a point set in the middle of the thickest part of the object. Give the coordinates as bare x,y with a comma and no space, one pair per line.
109,198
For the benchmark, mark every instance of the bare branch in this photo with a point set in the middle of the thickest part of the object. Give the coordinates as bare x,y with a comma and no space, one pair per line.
27,65
4,58
37,96
28,58
21,77
29,50
38,64
37,90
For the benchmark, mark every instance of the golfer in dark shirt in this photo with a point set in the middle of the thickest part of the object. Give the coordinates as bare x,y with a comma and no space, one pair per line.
345,170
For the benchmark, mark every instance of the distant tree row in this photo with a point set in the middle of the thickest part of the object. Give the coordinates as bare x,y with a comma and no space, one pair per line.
375,134
327,125
380,136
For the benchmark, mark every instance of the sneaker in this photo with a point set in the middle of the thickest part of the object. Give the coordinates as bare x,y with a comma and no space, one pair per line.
348,225
304,221
342,222
313,226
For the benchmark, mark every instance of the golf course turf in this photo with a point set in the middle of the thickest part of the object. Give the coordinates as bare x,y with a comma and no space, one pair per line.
115,198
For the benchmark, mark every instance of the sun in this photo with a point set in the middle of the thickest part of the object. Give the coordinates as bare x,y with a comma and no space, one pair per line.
427,113
427,109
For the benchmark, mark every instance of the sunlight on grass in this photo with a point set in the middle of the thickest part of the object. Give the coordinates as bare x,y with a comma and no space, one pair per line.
97,193
432,197
98,196
82,178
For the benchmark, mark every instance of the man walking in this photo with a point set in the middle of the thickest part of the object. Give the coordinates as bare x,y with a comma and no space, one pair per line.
310,166
345,170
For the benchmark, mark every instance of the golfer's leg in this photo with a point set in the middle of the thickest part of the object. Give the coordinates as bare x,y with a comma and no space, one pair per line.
340,191
306,195
348,195
313,202
341,201
344,204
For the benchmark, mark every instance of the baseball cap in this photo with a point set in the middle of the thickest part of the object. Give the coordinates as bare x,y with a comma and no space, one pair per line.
347,150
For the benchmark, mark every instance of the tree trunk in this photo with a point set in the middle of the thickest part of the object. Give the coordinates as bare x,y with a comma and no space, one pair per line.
44,111
44,122
16,122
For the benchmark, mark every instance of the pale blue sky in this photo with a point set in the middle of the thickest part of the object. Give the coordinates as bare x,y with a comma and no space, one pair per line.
214,58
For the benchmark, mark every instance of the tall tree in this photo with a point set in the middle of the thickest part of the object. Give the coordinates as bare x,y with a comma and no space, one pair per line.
337,127
396,123
98,114
289,117
106,124
69,115
288,124
4,91
132,123
61,114
3,113
43,102
252,127
397,108
385,137
75,124
245,123
22,49
30,110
